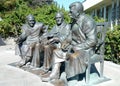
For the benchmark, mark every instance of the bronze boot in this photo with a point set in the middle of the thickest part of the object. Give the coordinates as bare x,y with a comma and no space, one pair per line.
54,74
23,62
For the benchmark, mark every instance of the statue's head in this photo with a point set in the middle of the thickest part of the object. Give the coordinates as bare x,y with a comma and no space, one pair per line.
30,20
76,8
59,18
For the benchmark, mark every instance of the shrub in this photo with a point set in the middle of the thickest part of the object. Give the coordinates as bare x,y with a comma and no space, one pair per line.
112,42
113,45
17,16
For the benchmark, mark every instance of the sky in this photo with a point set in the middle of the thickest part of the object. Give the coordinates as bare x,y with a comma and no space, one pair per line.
66,3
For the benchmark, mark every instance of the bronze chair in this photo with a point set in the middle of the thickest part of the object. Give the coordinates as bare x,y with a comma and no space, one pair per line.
99,51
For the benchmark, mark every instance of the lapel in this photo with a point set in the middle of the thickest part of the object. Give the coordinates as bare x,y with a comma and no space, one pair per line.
61,27
33,29
79,22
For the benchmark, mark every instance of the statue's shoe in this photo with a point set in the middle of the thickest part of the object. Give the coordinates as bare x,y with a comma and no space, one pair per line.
47,77
47,74
44,68
20,63
42,72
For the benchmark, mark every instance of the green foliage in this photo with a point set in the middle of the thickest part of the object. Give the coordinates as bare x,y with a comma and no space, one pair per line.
45,14
113,45
7,4
96,18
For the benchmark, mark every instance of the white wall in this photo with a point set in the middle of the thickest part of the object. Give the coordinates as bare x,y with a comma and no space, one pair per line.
89,3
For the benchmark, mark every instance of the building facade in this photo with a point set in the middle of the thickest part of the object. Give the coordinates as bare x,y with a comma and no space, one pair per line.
107,9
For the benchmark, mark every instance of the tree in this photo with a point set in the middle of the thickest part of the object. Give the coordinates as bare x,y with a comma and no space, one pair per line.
17,16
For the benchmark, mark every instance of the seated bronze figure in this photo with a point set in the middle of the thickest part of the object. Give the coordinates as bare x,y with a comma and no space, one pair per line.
28,42
81,44
61,32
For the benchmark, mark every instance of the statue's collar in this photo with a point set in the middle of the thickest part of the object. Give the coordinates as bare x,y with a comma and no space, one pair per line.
62,25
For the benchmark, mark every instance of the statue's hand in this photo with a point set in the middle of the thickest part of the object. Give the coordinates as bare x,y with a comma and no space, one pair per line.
72,56
64,45
56,39
17,40
53,40
49,41
68,55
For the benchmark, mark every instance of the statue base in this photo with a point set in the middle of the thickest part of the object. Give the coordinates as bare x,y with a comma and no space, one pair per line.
74,81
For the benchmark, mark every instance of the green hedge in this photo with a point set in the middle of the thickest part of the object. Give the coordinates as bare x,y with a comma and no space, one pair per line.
112,42
17,15
112,47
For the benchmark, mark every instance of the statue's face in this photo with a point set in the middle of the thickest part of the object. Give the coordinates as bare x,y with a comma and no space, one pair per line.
73,12
59,19
31,22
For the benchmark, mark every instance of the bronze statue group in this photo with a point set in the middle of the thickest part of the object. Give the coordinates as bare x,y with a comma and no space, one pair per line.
68,44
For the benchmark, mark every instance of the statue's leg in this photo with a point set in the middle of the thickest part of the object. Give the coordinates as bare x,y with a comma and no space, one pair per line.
47,56
36,56
55,71
26,55
48,51
24,61
54,74
19,51
56,64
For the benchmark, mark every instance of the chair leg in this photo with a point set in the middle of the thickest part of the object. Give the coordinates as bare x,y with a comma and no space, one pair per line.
101,68
88,74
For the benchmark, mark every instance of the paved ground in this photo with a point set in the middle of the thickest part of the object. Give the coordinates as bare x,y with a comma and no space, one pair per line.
9,75
12,76
111,71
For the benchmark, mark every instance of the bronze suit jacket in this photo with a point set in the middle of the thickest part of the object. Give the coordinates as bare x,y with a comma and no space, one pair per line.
83,40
